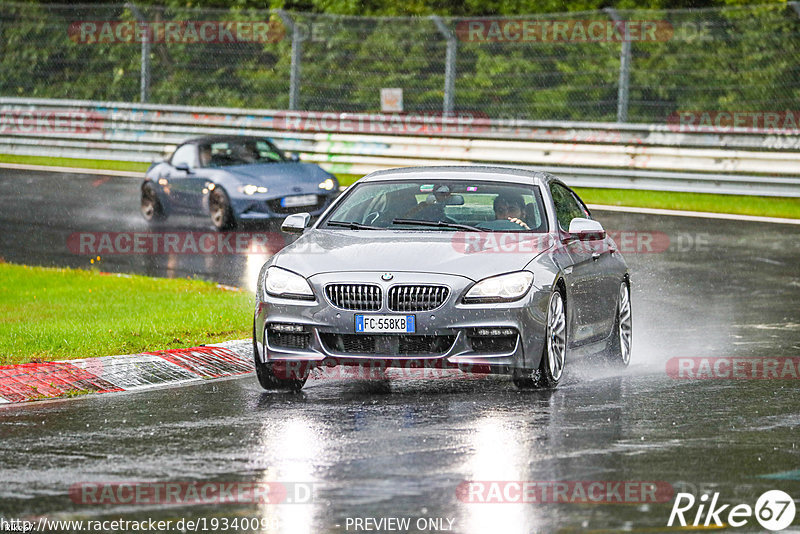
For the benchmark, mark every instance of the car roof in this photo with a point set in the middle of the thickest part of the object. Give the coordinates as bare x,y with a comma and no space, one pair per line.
462,172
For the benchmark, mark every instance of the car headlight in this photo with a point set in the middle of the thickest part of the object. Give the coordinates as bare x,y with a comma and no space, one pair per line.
328,184
282,283
503,288
251,189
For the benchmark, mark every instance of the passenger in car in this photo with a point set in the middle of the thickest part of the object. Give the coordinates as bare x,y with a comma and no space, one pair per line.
533,218
432,208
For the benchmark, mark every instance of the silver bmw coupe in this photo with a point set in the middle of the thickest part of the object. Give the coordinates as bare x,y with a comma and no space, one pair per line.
475,269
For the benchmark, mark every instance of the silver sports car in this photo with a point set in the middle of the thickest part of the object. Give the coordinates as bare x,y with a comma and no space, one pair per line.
467,268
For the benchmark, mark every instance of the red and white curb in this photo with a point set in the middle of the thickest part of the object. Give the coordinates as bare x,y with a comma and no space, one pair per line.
49,380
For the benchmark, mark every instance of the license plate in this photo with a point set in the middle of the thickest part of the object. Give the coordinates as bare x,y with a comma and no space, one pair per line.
399,324
298,200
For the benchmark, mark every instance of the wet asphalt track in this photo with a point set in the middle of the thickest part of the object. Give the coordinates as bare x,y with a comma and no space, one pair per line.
373,449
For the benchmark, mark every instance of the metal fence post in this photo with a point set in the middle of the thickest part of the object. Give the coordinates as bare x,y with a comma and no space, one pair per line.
144,74
450,64
297,50
624,69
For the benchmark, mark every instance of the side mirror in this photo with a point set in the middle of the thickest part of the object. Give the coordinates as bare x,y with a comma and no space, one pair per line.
586,229
296,224
182,167
295,157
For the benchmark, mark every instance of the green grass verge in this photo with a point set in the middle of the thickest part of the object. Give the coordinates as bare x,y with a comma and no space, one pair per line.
348,179
54,314
737,204
110,165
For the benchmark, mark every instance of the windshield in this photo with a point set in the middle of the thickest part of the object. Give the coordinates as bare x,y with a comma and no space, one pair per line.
440,206
239,152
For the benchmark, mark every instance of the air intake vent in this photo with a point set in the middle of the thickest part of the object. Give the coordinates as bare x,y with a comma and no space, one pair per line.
349,343
417,298
358,297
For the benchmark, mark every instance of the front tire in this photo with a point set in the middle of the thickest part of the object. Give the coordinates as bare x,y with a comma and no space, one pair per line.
219,205
151,207
269,379
551,367
619,353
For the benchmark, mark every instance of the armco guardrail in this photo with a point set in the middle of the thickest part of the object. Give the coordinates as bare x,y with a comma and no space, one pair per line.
633,156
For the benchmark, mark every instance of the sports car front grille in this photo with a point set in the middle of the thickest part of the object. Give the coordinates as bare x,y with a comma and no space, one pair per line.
411,298
358,297
349,343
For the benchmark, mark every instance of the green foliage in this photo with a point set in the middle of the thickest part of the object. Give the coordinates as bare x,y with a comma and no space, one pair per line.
732,59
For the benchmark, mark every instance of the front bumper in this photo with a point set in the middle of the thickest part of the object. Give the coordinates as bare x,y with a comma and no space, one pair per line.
255,208
448,335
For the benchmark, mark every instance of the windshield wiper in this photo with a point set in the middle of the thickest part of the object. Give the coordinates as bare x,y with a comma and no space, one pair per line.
353,225
438,224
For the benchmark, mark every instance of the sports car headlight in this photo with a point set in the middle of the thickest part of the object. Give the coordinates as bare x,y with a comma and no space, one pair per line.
282,283
251,189
327,185
503,288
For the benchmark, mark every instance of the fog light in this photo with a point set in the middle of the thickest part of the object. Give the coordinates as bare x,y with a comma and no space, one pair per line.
490,332
286,328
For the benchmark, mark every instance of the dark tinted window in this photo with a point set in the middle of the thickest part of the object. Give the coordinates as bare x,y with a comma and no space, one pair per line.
240,152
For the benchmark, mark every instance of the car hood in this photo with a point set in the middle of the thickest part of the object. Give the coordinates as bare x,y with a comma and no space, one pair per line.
474,255
268,173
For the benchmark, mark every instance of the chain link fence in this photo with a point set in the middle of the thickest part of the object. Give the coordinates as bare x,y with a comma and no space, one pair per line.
626,65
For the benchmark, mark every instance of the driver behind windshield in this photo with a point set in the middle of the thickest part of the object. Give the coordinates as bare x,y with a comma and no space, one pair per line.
510,207
247,152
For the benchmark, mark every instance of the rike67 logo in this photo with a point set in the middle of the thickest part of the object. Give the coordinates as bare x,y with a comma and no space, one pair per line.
774,510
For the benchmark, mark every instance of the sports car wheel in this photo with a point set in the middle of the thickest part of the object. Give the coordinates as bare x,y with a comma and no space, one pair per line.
220,207
151,207
268,378
619,352
555,349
